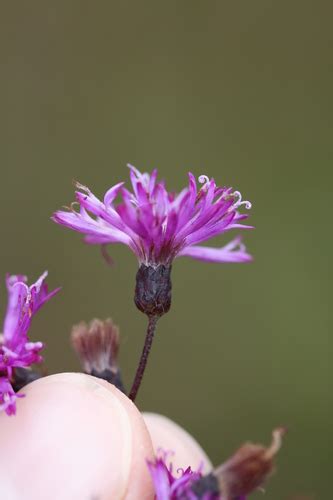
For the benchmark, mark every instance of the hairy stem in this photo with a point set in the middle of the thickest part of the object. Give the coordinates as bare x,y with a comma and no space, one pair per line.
152,321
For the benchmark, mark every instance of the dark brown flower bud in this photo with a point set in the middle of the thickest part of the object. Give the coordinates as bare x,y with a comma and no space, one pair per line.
243,473
97,346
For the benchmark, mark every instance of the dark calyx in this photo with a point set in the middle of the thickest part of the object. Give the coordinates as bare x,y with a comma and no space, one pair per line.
111,377
153,289
206,487
23,376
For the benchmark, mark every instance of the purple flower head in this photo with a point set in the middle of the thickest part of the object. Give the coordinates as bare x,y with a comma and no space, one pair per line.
16,351
158,225
169,486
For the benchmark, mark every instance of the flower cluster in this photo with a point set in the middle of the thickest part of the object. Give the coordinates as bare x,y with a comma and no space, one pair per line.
16,350
158,225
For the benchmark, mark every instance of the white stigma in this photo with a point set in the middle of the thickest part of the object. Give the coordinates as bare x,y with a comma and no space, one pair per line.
239,202
203,179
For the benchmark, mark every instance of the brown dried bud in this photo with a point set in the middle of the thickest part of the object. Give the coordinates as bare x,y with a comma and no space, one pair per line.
248,468
97,346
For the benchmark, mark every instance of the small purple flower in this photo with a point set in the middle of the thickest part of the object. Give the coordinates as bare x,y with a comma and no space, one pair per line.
169,486
157,225
16,351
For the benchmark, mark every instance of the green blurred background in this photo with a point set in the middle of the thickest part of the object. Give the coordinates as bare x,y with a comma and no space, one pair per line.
236,90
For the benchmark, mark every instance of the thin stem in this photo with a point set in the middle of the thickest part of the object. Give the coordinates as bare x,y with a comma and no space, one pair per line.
152,320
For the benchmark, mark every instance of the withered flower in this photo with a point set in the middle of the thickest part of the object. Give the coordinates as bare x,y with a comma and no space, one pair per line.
97,346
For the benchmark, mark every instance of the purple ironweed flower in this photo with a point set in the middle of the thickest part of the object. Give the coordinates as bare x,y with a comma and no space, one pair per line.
157,225
169,486
16,351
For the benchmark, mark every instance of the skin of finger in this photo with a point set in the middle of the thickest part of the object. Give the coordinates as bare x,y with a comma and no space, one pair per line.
74,437
169,436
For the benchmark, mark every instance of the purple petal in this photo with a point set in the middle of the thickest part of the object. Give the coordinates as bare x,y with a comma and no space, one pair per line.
96,207
207,232
17,294
161,479
234,251
8,397
111,194
91,228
